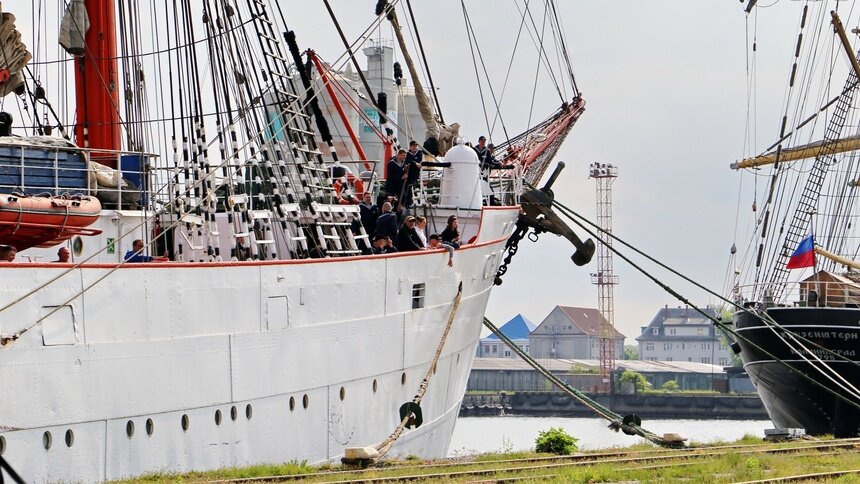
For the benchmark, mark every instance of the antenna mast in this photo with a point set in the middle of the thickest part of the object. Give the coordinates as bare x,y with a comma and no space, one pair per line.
604,174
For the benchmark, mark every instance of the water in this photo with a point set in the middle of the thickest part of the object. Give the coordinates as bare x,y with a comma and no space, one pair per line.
473,435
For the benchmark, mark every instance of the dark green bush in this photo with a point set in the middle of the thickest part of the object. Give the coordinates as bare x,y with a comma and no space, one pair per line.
555,441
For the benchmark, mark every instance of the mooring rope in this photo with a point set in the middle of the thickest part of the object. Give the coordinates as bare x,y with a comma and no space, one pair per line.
384,446
615,419
767,319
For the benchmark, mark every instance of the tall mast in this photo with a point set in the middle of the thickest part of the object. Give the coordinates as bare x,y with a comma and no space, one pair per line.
96,84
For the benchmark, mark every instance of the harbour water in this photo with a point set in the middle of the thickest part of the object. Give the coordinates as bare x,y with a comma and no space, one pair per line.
474,435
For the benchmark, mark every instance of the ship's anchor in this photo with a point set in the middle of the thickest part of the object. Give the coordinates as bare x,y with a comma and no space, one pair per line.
537,214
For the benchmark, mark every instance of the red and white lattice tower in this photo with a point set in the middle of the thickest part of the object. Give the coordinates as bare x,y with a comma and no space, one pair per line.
604,174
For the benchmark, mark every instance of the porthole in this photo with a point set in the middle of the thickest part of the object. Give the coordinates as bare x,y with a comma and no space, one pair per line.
305,401
2,444
217,417
150,426
185,422
374,385
129,428
47,440
342,393
77,246
248,411
292,403
70,438
403,378
234,414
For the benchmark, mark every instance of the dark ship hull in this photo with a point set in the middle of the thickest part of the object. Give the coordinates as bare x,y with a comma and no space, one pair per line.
796,397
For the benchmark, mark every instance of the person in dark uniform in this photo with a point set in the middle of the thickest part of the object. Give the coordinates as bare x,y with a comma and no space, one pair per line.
396,175
490,160
414,157
369,213
386,224
481,148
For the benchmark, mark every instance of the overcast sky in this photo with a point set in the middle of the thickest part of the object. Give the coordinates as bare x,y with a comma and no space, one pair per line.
666,90
665,86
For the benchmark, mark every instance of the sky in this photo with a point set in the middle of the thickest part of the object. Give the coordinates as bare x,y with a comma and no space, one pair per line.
667,102
666,87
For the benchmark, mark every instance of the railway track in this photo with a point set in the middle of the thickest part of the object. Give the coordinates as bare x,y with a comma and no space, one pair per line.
511,470
814,477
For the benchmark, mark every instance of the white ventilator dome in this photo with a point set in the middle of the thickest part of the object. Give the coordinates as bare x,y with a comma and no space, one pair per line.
461,183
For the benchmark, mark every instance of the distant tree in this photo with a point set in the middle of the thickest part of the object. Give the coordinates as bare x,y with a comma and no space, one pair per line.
637,379
670,386
631,352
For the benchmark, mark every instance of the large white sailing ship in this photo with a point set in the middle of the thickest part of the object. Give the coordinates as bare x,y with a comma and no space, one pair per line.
262,331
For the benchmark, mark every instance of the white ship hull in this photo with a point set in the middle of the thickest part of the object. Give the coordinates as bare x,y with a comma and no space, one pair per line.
184,366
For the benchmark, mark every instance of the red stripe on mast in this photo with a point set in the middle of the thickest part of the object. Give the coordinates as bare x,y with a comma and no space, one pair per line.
96,84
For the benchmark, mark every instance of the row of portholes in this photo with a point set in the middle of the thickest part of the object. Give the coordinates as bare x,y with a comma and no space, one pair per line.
47,440
185,421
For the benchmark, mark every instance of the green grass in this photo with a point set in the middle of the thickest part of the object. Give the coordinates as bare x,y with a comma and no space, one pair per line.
286,469
738,465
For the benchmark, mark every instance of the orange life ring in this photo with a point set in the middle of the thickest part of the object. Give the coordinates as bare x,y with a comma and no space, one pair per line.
358,188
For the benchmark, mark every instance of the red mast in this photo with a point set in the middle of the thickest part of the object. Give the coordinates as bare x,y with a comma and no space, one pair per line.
96,84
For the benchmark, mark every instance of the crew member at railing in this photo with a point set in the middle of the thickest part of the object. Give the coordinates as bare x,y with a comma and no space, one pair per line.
396,175
136,253
7,253
414,157
63,255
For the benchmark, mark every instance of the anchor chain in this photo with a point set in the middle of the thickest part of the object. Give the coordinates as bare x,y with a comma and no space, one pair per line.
512,246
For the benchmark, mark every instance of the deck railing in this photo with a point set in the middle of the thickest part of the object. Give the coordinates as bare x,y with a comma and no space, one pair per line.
805,293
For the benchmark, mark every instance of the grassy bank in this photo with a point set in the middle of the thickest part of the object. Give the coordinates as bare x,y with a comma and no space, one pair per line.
748,459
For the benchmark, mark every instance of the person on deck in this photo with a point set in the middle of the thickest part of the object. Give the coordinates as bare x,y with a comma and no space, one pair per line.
414,157
382,245
481,148
386,224
435,242
451,234
7,253
490,160
396,176
63,255
421,230
369,213
136,253
407,238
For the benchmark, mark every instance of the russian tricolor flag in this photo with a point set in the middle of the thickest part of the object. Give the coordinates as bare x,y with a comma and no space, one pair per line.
804,256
